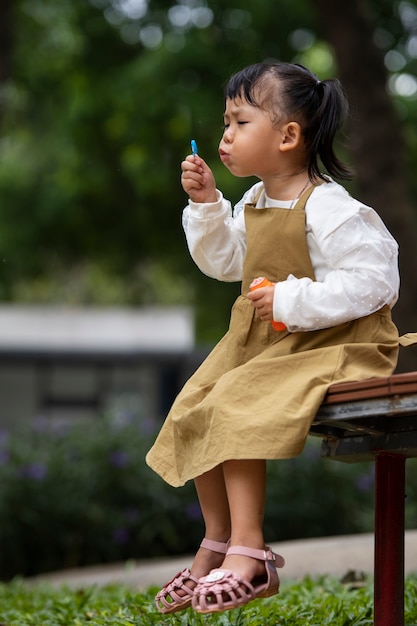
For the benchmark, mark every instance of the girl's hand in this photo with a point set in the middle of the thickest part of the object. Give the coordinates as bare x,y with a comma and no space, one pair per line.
197,180
262,300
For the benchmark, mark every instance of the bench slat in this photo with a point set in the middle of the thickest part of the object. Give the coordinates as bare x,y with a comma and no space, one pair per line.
365,448
359,419
372,388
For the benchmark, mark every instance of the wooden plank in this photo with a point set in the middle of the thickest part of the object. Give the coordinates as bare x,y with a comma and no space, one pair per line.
369,407
372,388
364,447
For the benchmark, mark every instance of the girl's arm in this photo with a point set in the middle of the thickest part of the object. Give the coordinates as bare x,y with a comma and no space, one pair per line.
216,240
216,236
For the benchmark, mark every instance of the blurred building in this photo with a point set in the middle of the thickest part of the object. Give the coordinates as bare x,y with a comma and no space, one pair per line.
72,364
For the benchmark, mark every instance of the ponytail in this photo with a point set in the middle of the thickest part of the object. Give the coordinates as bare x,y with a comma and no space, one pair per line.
320,131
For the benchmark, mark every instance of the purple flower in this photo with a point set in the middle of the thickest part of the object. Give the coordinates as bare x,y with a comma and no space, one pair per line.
120,535
60,430
4,457
131,515
148,426
40,423
193,511
365,482
34,471
118,458
4,437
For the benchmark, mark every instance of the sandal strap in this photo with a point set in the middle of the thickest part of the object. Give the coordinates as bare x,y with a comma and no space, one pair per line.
214,546
261,555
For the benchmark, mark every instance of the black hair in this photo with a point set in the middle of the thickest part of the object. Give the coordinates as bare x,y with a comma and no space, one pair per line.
291,92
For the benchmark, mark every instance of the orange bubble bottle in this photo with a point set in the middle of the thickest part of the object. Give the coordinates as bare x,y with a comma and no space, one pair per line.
264,282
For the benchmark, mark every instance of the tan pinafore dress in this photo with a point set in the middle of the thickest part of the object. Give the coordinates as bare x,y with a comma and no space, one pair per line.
258,391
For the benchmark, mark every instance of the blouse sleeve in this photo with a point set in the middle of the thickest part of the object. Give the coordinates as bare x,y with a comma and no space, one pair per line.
356,265
216,237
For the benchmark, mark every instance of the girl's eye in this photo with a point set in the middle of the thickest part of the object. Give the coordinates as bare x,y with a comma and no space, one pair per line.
241,123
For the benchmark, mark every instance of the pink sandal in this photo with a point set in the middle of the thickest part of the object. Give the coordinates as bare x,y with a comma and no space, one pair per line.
167,600
222,589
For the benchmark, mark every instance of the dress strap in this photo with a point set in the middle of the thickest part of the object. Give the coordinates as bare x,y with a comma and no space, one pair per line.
302,200
258,195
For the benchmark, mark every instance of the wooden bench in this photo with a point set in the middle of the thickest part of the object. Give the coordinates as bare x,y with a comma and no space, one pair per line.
376,420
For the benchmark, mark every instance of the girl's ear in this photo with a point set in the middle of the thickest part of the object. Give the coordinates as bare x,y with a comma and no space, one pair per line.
291,136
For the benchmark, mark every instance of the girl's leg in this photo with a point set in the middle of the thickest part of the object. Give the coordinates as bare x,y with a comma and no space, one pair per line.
211,491
245,486
212,495
232,499
242,578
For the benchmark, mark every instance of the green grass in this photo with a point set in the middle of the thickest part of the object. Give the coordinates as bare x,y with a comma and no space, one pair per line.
312,602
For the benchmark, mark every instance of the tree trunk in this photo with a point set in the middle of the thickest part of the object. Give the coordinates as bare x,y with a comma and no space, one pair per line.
6,40
6,45
377,143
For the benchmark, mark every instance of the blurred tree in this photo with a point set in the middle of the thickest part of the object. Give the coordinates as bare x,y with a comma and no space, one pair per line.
377,142
99,107
6,40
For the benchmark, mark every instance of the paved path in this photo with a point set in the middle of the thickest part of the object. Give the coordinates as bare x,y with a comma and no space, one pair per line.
333,555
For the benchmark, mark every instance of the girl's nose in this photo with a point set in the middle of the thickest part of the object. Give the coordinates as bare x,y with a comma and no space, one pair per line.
227,135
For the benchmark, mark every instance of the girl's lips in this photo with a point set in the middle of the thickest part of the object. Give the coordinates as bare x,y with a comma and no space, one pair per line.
223,155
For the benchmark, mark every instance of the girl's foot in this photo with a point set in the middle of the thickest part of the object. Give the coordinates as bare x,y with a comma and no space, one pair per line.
244,566
178,592
246,574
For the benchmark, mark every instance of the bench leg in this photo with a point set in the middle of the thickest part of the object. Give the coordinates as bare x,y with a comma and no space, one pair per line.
389,539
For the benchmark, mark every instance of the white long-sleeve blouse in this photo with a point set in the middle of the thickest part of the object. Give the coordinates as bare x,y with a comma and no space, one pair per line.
354,257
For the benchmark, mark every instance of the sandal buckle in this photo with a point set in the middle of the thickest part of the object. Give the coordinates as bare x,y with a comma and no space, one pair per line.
214,576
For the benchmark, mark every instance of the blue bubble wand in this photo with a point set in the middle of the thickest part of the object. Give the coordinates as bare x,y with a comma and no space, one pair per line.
194,147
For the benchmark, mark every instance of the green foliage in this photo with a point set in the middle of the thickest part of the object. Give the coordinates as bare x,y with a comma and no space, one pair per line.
96,117
83,495
320,602
314,497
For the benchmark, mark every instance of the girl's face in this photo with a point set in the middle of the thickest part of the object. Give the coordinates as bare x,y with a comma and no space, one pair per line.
250,142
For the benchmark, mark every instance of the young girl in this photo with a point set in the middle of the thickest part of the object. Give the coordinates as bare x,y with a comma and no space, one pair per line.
333,266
